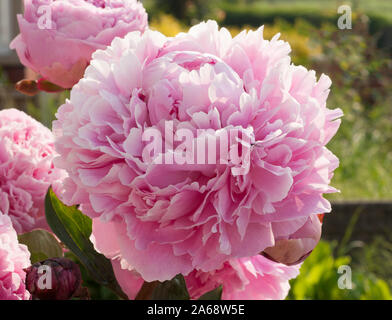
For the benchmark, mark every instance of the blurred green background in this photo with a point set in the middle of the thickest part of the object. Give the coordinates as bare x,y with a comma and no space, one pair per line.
360,65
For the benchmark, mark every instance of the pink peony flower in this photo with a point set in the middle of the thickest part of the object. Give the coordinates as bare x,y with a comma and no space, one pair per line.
26,169
14,257
185,216
255,278
58,37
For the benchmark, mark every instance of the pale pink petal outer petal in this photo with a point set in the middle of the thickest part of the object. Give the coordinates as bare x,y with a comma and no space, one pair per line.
255,278
129,280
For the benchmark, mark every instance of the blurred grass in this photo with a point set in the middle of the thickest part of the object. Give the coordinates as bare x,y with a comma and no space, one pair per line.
362,86
375,5
319,278
366,265
378,7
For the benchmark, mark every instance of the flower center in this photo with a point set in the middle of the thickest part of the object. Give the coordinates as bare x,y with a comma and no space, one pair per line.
179,84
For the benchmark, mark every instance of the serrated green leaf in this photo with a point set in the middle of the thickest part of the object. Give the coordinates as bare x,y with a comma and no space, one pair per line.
73,228
215,294
174,289
42,245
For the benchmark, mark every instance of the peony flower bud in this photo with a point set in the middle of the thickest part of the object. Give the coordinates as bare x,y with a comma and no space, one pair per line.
299,246
54,279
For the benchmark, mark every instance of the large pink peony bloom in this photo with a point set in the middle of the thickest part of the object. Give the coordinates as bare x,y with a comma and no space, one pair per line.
26,169
14,257
58,37
184,217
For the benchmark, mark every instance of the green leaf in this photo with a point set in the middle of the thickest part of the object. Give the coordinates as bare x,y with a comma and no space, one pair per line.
215,294
42,245
73,228
174,289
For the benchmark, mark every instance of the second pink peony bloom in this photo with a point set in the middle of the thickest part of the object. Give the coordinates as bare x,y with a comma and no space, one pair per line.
26,169
58,37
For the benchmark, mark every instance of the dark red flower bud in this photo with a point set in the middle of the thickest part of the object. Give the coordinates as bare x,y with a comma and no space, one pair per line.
299,246
54,279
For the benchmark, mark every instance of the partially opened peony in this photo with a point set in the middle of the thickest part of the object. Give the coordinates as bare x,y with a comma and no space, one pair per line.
58,37
26,169
298,246
14,257
168,213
